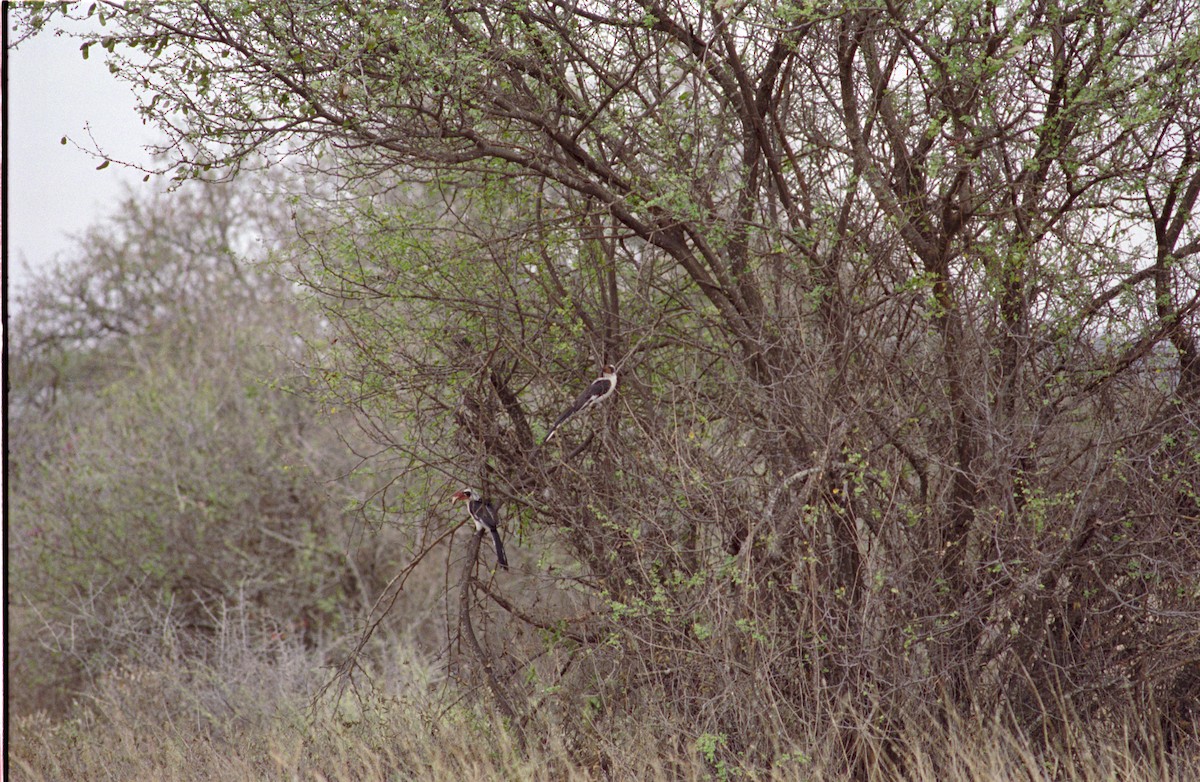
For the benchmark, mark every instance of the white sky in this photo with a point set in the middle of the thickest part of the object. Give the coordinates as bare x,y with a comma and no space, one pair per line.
55,191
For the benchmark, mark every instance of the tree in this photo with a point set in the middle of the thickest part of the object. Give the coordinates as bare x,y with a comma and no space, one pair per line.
172,485
904,297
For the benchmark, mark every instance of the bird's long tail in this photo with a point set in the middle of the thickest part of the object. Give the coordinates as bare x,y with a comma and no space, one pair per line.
500,558
561,419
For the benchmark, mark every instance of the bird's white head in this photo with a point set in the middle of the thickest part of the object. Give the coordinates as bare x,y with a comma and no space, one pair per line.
609,369
466,494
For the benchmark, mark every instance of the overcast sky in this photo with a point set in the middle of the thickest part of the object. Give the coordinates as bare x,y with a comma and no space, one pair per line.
54,190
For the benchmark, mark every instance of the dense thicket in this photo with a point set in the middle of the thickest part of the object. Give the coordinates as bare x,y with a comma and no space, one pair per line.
173,491
904,297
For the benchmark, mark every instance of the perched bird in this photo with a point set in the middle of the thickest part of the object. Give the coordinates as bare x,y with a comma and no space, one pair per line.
600,389
483,513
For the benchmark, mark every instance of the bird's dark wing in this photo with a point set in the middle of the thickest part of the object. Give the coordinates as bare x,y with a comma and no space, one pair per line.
588,393
598,388
485,512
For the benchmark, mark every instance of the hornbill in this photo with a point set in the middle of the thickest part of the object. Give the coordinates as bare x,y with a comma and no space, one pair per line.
600,389
483,513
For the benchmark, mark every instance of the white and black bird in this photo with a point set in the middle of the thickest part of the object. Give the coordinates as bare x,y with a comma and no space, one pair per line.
484,514
600,389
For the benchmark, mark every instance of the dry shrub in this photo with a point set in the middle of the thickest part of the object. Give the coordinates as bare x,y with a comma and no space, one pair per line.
166,467
905,303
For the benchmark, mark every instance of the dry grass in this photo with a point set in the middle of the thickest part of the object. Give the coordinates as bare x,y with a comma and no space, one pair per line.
180,721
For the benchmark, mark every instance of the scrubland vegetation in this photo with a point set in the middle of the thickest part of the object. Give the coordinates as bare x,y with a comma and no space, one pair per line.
900,481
